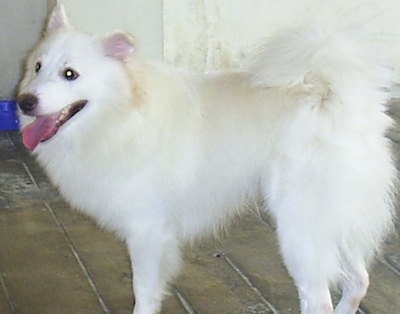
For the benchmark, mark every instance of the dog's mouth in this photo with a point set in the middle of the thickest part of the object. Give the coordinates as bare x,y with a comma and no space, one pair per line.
45,127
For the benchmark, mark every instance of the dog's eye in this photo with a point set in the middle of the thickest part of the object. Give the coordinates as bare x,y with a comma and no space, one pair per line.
38,66
70,74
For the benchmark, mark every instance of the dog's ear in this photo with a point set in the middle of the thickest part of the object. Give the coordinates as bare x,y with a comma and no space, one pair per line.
58,19
118,45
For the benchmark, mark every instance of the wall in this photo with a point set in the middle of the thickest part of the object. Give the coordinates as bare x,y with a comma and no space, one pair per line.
214,34
202,35
144,19
20,27
205,35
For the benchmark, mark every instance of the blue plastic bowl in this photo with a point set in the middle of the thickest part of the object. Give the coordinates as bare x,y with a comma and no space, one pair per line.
8,115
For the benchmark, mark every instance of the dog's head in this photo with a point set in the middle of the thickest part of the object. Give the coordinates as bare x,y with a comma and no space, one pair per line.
66,75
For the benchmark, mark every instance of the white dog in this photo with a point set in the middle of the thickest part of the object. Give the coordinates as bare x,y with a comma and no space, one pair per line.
163,157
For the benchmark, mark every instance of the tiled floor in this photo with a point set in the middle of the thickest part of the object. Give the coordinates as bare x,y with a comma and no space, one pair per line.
54,260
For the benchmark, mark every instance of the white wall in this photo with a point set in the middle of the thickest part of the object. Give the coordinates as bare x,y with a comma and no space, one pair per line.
202,35
20,27
210,34
215,34
143,18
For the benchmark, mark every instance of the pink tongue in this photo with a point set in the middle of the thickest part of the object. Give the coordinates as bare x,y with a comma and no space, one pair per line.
39,130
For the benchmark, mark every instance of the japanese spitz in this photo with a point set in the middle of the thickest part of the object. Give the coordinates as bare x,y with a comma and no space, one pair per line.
163,156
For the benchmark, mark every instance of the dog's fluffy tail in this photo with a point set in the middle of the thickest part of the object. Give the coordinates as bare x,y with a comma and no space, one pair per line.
337,57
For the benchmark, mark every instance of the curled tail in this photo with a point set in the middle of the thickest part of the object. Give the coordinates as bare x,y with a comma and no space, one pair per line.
332,179
328,57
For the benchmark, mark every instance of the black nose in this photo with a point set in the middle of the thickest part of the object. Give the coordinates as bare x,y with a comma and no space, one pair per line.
27,102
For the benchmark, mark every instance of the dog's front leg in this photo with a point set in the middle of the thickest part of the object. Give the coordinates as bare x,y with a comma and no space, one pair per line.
155,257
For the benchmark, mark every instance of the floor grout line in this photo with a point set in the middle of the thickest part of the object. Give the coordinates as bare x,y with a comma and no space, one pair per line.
79,259
70,243
26,168
248,281
11,140
182,300
8,295
383,260
361,311
30,175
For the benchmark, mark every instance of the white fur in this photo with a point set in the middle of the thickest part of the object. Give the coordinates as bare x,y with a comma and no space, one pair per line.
163,157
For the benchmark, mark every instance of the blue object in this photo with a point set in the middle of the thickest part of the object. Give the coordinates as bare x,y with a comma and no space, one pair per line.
8,115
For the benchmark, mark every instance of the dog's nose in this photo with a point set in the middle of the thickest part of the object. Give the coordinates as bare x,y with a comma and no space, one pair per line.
27,102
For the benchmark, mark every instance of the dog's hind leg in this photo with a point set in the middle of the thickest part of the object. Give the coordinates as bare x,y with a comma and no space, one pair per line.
354,288
308,269
156,259
315,298
307,244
